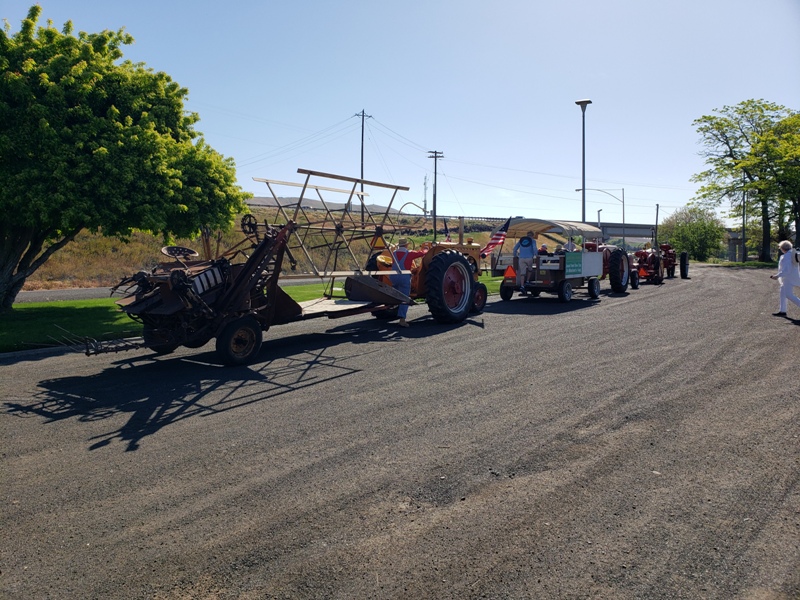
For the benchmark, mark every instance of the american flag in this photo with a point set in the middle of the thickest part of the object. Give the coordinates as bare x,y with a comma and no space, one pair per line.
498,237
446,232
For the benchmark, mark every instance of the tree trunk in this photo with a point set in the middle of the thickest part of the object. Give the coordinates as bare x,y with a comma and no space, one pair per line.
8,292
23,252
766,232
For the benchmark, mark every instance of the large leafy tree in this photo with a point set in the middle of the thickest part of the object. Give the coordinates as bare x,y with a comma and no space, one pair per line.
751,150
88,141
695,230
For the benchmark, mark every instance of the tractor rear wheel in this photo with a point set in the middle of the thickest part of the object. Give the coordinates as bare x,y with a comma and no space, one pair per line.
240,341
479,298
619,270
449,283
565,291
684,265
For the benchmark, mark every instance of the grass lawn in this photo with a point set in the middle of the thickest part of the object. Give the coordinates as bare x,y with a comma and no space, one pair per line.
41,324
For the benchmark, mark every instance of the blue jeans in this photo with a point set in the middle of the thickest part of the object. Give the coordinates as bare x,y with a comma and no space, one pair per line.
402,283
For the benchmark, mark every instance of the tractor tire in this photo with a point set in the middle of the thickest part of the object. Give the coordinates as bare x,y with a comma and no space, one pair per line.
157,341
240,341
619,271
479,298
634,280
594,287
386,314
684,265
449,283
671,272
565,291
197,342
658,271
506,292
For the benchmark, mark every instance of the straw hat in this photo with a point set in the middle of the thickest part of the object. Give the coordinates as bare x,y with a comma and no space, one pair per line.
402,242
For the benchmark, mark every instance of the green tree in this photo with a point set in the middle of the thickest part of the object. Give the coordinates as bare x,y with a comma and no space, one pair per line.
88,141
751,152
695,230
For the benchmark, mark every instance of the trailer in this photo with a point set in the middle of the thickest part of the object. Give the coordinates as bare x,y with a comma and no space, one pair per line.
559,273
235,297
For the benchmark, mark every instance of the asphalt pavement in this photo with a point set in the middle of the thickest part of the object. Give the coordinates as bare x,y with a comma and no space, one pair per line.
643,446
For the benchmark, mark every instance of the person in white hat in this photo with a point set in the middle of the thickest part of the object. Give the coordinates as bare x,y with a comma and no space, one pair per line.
402,283
788,275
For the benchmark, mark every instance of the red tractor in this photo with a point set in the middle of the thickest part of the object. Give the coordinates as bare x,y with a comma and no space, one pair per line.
653,264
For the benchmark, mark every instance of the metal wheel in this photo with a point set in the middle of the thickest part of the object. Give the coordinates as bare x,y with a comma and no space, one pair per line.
479,298
449,283
158,340
565,291
506,291
240,341
594,288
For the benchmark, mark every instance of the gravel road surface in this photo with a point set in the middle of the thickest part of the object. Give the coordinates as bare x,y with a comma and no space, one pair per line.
643,446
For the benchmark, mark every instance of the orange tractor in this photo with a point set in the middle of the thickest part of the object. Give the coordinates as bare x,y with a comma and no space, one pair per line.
446,276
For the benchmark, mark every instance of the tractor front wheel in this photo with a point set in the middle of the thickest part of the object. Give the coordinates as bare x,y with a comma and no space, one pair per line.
657,275
479,298
619,270
634,280
240,341
449,283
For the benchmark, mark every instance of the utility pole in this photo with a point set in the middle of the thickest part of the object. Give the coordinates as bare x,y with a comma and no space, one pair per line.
744,219
435,155
425,196
363,116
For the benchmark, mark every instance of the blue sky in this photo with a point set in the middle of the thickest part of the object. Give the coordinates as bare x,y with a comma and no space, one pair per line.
491,85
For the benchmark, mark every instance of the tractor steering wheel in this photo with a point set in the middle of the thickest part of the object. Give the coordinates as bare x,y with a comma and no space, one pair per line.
179,252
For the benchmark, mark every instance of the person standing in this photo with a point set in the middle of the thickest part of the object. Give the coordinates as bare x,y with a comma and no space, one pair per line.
402,283
570,245
526,252
788,276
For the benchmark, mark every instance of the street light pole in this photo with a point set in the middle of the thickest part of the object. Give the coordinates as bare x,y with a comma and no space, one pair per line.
583,104
624,241
599,210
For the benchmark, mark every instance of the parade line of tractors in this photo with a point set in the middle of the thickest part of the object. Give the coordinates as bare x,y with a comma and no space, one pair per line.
234,298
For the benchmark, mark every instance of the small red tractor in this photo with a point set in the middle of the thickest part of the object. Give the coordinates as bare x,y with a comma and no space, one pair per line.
652,264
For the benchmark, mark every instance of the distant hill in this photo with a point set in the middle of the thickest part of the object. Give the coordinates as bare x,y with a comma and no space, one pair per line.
268,201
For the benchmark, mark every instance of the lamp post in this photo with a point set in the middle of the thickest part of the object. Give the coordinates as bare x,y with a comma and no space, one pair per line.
599,210
583,104
624,241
